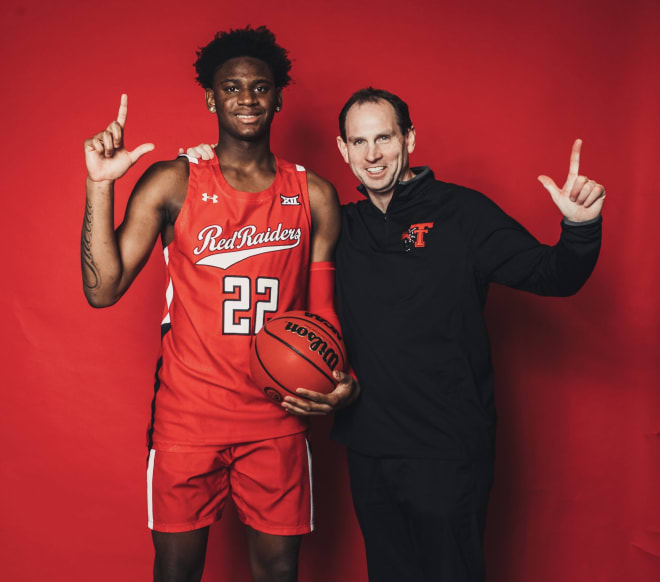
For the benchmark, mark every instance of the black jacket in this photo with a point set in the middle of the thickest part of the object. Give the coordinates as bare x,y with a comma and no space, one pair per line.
411,289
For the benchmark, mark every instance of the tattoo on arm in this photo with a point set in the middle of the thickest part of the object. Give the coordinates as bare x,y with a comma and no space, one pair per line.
91,275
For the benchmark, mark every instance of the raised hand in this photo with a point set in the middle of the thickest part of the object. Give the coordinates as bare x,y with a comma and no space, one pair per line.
105,155
580,198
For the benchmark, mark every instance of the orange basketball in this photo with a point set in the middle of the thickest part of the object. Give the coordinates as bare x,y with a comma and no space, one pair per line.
293,350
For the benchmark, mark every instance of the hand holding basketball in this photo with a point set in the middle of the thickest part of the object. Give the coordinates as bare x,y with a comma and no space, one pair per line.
316,403
105,155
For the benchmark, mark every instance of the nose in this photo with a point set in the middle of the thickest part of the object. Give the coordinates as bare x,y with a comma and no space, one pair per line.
246,97
373,152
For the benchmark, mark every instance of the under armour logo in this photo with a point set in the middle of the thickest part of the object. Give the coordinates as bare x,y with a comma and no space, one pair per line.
206,198
290,200
414,236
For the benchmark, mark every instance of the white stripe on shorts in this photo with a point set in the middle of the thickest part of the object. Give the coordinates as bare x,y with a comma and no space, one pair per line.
150,483
311,490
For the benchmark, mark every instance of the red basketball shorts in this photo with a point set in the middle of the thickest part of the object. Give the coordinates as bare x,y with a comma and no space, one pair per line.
269,481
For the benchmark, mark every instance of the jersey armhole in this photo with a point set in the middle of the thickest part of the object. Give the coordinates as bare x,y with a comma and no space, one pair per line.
301,174
193,178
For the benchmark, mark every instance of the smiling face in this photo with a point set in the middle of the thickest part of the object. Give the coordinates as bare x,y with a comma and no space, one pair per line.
375,148
245,98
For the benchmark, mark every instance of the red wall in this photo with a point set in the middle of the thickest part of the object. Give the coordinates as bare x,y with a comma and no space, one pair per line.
498,91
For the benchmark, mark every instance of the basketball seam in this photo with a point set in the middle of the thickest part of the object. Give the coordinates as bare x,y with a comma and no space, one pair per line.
303,356
340,350
263,367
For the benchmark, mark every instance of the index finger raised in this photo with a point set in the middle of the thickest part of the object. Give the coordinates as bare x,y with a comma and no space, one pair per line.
574,166
123,110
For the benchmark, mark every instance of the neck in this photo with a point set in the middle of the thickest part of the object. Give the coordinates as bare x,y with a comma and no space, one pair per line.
237,152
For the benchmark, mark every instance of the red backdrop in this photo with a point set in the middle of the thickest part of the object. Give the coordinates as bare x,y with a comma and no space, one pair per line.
498,91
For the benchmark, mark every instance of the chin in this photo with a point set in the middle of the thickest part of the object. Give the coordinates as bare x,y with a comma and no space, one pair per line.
379,187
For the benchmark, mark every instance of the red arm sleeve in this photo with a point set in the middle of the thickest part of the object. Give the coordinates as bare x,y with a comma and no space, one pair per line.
321,292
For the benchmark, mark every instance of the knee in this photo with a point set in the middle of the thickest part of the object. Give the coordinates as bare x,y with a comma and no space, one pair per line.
168,568
275,569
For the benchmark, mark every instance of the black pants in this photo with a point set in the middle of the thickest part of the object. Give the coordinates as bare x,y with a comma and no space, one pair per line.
422,520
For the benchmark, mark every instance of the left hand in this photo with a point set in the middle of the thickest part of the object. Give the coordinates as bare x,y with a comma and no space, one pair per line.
346,392
203,150
580,198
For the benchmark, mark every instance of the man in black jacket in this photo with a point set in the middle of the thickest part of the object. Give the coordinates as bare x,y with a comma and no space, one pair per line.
414,262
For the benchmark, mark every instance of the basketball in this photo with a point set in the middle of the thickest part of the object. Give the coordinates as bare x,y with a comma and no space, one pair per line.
297,349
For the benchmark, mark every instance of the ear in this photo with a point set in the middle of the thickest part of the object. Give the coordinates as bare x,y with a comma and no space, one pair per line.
411,140
343,148
278,100
210,100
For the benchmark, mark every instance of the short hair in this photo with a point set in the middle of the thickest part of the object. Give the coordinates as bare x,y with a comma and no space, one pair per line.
371,95
243,42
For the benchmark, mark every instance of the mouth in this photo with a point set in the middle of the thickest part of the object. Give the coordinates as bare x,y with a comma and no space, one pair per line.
248,117
376,170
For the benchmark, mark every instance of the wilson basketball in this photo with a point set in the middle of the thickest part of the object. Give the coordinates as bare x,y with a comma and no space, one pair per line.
293,350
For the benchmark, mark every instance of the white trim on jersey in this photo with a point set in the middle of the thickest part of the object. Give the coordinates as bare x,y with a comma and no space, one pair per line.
169,293
150,486
300,168
311,489
190,158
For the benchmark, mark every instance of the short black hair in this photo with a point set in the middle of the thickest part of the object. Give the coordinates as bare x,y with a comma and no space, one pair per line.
243,42
371,95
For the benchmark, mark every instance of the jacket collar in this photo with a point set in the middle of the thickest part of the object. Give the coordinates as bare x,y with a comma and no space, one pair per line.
406,188
403,188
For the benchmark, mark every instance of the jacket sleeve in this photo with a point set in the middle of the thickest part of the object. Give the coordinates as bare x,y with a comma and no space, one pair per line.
507,254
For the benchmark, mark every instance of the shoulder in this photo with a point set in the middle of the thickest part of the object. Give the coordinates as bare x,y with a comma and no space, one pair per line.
166,171
479,214
351,208
164,181
319,187
463,197
323,199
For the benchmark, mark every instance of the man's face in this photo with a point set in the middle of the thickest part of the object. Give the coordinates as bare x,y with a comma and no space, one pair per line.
245,98
375,148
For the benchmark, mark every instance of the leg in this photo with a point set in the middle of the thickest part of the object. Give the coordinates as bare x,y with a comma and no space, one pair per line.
392,555
444,502
273,558
271,489
180,556
186,492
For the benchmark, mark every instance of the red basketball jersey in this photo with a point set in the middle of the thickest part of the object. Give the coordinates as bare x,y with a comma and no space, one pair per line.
236,259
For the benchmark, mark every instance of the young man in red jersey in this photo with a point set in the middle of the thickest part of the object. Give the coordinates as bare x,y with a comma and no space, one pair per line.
245,235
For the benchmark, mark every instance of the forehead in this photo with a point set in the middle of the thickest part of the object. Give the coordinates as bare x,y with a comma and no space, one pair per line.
243,68
371,118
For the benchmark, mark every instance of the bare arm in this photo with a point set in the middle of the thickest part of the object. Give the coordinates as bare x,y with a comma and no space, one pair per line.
326,218
111,259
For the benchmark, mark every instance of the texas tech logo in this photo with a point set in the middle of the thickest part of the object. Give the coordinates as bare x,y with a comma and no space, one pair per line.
414,236
290,200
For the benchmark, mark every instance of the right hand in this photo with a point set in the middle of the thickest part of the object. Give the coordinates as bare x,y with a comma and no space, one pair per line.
203,150
314,403
105,155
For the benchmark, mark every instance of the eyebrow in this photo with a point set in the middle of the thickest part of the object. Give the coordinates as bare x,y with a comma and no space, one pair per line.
239,80
384,134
